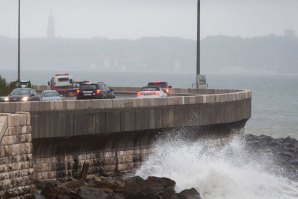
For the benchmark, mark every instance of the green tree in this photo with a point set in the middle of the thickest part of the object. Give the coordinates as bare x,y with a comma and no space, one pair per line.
6,88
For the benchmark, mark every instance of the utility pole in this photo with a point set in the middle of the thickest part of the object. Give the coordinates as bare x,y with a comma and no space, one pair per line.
198,38
200,79
19,45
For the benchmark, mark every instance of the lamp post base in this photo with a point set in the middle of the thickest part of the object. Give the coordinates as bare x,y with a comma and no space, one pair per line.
201,82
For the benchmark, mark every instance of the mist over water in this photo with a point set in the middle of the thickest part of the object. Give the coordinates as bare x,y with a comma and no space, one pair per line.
218,171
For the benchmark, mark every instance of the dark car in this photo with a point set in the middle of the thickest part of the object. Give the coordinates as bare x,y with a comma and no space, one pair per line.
22,95
72,92
164,85
95,91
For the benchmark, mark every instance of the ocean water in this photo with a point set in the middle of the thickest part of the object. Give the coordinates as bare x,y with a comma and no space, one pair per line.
274,102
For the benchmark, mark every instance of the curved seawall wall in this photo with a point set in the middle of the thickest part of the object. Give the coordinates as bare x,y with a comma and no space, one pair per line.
110,136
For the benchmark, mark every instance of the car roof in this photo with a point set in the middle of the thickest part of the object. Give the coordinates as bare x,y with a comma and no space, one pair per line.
89,83
150,87
23,89
156,82
49,91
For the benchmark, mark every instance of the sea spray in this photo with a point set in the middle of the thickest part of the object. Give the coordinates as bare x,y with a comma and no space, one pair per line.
227,171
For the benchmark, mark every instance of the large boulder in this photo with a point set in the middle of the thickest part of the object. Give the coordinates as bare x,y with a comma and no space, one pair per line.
189,194
48,189
74,184
153,187
105,182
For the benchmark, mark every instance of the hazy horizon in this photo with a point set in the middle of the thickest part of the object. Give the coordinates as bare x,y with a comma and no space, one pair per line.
282,34
136,19
267,54
133,19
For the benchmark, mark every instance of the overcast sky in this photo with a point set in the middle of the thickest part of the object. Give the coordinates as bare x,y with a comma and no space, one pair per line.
138,18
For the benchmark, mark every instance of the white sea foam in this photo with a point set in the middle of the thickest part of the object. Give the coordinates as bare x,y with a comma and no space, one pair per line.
217,172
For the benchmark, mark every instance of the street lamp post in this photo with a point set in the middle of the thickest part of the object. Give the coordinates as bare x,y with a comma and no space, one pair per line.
19,44
200,79
198,39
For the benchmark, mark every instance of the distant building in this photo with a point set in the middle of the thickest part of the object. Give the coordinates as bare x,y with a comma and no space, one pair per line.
51,27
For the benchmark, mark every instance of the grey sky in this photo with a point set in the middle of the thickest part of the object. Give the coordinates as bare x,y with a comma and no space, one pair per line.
137,18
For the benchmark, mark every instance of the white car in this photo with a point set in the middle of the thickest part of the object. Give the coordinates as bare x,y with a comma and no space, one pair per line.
50,95
150,91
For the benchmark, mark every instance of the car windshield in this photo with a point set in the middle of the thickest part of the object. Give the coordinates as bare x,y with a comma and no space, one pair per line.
149,89
20,91
87,86
158,84
24,82
50,94
63,79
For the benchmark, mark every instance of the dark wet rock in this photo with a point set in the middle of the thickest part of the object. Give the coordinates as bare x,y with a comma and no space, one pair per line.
107,183
112,188
135,179
60,193
294,162
153,187
280,155
189,194
92,193
54,189
151,196
48,188
74,185
118,196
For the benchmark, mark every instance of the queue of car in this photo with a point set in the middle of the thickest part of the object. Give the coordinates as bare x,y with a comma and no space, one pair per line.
85,90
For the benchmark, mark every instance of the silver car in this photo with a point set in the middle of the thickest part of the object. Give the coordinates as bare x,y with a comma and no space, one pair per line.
150,91
50,95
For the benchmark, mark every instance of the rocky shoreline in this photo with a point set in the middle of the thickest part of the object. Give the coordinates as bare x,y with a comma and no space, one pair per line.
279,156
99,187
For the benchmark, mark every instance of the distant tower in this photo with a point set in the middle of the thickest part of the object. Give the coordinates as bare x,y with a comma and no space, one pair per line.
51,26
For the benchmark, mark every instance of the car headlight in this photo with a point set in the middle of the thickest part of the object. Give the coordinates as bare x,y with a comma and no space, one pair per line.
6,99
25,99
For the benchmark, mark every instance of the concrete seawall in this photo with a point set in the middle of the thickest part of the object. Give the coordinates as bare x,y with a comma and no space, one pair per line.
92,121
16,166
88,117
109,136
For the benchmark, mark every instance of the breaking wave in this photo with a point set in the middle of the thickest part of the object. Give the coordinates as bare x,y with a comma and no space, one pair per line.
231,170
